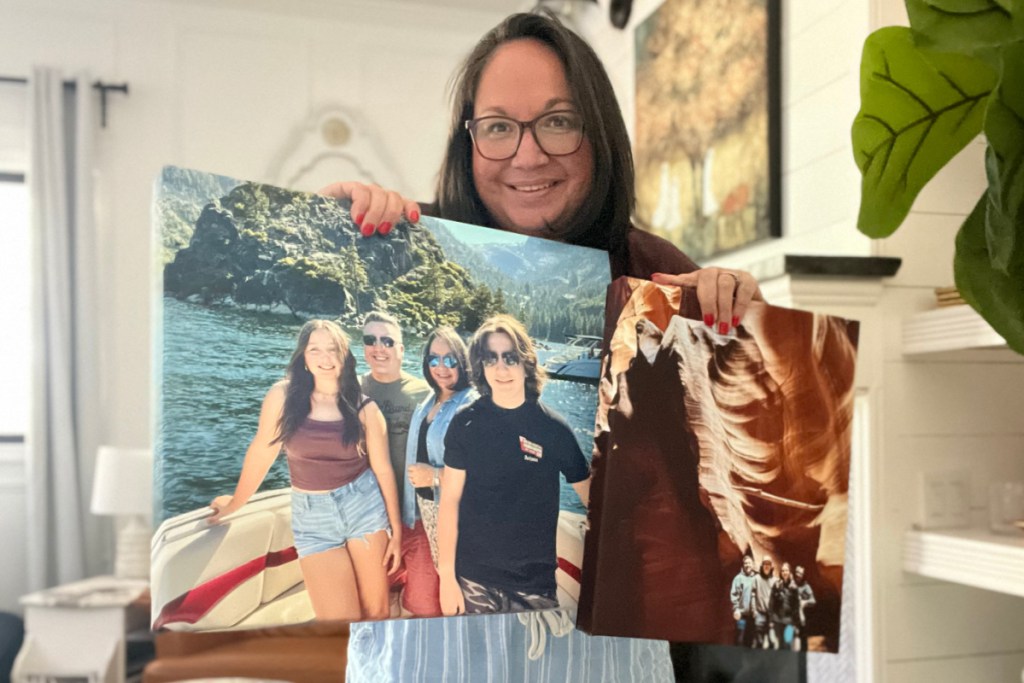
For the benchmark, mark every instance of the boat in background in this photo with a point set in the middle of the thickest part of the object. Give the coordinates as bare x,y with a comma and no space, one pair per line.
244,572
581,362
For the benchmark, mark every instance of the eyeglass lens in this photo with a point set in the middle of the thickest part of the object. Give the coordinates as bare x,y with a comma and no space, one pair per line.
510,358
450,361
371,340
557,133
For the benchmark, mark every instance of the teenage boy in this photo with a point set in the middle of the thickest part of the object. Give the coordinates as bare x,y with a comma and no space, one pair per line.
499,505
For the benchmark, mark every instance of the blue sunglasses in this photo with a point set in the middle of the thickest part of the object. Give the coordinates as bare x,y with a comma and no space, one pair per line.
450,361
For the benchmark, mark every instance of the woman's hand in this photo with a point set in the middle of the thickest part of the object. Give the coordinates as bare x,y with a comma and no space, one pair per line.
724,295
452,600
393,553
374,209
421,475
221,508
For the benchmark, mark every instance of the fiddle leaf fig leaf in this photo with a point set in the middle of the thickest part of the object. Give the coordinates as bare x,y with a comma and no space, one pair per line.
918,110
1004,164
967,26
998,296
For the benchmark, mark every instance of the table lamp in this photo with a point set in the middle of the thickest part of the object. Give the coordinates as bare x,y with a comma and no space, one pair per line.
123,487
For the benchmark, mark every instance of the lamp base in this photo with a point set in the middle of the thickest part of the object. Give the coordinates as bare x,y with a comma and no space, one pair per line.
133,549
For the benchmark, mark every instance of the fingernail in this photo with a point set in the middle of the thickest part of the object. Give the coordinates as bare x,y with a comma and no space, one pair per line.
366,230
414,216
735,321
359,218
709,319
723,328
384,228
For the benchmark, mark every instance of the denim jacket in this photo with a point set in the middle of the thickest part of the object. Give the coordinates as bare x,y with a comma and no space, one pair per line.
435,443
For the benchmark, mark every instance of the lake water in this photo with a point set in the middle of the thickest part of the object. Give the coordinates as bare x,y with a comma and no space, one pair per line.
218,363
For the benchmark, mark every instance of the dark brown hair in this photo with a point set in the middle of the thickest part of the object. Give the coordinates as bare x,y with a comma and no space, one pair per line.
300,386
521,344
450,337
603,219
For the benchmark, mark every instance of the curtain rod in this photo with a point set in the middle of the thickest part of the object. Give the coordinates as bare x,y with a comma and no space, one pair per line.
104,88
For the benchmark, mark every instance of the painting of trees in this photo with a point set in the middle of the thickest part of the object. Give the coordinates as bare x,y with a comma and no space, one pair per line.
702,123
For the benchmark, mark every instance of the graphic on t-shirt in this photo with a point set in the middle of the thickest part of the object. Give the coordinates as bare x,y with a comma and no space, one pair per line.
533,451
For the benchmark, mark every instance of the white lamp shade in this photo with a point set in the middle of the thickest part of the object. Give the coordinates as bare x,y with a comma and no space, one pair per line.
123,482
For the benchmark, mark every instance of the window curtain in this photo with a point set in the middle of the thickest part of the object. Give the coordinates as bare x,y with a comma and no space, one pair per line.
65,541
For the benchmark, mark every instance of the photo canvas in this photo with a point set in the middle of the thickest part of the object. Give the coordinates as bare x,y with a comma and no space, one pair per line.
719,504
243,267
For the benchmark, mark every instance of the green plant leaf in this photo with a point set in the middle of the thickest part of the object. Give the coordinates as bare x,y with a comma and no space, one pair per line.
1004,163
997,296
918,109
971,27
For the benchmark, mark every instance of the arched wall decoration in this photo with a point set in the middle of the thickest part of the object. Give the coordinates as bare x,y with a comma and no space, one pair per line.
333,143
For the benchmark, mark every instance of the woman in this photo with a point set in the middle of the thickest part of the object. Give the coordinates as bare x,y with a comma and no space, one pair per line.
527,68
445,369
343,489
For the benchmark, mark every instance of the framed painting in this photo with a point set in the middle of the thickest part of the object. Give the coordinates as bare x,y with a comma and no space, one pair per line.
708,124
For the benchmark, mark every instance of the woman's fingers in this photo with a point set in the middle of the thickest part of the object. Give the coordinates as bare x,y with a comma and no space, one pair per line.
374,209
724,295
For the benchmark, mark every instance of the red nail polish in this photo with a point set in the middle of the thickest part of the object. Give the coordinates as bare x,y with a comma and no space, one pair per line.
366,230
735,321
723,328
709,319
384,228
359,218
414,216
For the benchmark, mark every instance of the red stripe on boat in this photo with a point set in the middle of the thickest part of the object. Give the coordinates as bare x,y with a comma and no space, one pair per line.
192,605
569,568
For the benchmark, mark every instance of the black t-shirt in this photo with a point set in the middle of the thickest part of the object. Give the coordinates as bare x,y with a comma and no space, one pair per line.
508,515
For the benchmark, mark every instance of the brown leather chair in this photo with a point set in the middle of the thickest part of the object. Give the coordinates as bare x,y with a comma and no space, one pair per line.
309,653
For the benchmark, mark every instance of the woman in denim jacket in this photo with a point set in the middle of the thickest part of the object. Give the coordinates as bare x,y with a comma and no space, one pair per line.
445,370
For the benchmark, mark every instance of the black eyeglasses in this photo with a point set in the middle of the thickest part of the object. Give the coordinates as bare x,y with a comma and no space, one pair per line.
510,358
371,340
450,361
558,133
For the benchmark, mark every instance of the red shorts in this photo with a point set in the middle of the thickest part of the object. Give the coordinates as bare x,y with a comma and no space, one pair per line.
422,584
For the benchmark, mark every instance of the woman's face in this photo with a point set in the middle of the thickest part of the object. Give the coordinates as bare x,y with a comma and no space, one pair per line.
444,376
524,79
322,355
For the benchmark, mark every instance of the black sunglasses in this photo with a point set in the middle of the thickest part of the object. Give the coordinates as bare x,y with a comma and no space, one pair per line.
371,340
510,358
450,361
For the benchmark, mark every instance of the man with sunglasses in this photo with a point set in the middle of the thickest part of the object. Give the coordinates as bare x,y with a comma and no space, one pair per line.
499,504
396,393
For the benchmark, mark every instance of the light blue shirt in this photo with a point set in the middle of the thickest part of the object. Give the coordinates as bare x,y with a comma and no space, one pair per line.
435,443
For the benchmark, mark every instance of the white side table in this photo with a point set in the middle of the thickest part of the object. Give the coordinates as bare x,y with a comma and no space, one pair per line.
77,631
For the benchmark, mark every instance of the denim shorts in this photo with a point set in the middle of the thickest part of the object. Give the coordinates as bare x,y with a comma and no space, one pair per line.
324,521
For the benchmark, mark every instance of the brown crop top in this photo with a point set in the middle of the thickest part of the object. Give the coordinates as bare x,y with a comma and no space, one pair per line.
317,458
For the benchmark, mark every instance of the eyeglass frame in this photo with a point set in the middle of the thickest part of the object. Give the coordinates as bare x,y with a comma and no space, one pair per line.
448,360
510,359
523,126
385,341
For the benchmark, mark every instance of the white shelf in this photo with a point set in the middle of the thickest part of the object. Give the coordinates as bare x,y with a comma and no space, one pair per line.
950,328
972,557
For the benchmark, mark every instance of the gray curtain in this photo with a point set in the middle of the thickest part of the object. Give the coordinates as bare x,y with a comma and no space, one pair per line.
65,542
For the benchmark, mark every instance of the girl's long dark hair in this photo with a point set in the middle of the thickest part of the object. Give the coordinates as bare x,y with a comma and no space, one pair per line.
604,218
300,386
